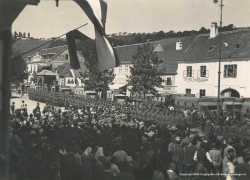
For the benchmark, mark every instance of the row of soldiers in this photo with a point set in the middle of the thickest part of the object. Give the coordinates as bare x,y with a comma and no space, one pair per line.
147,112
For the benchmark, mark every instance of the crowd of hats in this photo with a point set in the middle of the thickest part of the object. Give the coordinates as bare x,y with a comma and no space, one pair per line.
113,127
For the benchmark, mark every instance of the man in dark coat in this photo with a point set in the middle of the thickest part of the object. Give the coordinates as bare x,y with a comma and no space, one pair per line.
243,168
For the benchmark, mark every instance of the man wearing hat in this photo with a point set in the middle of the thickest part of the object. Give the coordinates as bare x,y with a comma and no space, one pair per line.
188,161
178,154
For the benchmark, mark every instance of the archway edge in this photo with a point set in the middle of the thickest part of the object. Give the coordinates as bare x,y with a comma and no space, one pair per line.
230,92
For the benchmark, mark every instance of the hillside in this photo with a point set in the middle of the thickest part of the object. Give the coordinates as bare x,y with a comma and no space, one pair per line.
23,46
26,45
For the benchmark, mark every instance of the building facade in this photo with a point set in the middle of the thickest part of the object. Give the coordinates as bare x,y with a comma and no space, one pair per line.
169,50
199,66
50,58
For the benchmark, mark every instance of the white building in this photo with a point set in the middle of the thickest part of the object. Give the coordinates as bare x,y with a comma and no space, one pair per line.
50,58
170,50
198,68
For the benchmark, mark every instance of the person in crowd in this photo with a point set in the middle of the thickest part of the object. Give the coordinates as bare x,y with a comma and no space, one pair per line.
230,167
188,160
171,172
178,154
227,159
243,168
215,155
114,168
203,158
57,144
12,107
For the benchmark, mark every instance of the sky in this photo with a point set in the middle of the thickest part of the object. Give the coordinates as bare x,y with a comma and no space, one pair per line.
131,16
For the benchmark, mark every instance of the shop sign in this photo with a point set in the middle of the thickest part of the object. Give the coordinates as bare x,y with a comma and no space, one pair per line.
197,80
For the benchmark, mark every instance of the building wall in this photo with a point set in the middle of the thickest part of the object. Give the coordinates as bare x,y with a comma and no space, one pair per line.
121,73
210,83
121,78
72,82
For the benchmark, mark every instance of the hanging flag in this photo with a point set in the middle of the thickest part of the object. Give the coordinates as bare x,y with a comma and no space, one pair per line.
96,10
71,37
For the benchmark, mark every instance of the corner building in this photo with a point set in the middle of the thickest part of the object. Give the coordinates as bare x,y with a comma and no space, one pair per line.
198,68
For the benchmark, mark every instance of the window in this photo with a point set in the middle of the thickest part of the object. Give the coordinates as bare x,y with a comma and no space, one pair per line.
202,92
169,82
68,81
66,56
230,71
189,71
120,69
29,58
72,81
180,45
126,69
188,91
203,71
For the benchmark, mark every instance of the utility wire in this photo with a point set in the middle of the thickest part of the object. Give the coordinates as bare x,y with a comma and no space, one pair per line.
46,43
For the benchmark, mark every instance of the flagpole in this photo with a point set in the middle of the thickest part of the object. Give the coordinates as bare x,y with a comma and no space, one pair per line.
47,42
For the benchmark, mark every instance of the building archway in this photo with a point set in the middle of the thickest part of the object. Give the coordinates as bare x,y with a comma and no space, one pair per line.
229,92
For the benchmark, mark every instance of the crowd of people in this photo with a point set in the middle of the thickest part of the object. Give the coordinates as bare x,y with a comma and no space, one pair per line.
97,140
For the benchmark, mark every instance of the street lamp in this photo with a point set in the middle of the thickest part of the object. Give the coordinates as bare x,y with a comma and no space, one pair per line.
219,72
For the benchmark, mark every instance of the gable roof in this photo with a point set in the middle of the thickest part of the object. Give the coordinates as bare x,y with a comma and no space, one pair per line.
170,55
46,73
205,48
124,52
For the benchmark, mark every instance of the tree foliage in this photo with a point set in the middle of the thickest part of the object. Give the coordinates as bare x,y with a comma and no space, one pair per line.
134,38
18,66
145,73
57,43
93,78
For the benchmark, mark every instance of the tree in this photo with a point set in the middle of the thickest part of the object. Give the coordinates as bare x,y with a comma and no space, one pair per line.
28,35
145,73
20,34
18,65
57,43
93,78
15,34
24,35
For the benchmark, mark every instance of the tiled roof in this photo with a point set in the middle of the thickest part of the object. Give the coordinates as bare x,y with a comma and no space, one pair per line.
169,63
169,44
46,73
54,50
205,48
61,68
170,55
124,52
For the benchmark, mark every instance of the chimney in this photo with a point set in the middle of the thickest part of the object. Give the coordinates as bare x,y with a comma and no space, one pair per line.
213,30
179,45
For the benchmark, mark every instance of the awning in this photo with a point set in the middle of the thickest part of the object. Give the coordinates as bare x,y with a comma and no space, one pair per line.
90,92
149,95
116,86
232,103
65,88
120,95
207,104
